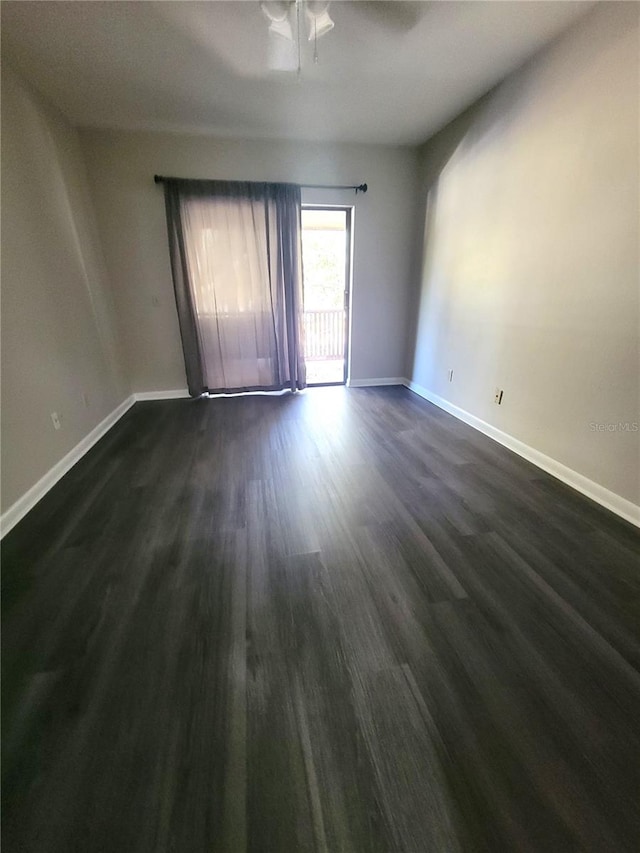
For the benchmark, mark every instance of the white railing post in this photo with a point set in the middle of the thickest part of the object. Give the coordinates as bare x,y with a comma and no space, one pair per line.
324,335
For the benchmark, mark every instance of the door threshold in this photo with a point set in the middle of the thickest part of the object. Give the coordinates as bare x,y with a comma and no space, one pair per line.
325,384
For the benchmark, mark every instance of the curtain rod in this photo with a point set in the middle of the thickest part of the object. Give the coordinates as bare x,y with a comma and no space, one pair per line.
359,188
362,188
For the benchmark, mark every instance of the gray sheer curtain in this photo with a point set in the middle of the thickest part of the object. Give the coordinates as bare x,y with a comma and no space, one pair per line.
235,252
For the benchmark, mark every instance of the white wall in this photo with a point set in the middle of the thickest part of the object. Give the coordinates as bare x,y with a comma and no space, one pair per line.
530,275
58,328
130,210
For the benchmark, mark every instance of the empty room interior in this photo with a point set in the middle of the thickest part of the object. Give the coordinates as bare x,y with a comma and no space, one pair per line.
320,426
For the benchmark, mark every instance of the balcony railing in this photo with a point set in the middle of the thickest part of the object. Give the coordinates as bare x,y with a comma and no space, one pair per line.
324,335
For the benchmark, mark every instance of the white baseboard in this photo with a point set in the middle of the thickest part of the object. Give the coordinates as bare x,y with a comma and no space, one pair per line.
177,394
619,505
370,383
21,507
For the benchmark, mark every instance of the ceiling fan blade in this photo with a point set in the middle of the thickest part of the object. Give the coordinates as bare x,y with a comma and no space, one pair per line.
282,53
395,15
281,45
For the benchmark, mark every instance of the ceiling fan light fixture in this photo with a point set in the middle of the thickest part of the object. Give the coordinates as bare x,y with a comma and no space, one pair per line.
285,19
275,10
278,13
319,22
282,28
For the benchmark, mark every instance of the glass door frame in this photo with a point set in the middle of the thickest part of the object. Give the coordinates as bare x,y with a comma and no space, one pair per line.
348,273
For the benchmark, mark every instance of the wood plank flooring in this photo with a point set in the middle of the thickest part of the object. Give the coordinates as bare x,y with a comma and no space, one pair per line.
335,621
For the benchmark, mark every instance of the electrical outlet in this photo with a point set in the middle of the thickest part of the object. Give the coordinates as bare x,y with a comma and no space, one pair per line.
450,374
498,396
55,419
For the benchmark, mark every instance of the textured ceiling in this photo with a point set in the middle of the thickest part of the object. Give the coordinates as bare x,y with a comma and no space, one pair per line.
389,72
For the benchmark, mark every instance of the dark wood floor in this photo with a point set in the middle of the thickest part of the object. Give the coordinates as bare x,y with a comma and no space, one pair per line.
340,621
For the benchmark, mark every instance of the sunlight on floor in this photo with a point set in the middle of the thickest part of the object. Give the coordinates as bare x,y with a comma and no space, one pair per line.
325,371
